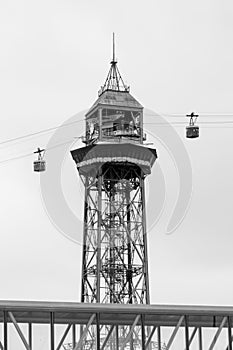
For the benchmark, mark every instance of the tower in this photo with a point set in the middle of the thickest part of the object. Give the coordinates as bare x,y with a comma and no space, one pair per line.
113,166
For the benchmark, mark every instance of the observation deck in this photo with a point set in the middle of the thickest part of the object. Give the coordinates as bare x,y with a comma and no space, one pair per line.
91,157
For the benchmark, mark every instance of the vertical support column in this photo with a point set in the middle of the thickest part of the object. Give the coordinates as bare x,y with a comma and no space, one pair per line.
74,335
146,272
100,185
186,333
129,248
100,124
200,338
84,241
159,337
111,245
30,335
141,126
143,332
97,331
5,331
229,333
117,338
129,251
52,343
85,228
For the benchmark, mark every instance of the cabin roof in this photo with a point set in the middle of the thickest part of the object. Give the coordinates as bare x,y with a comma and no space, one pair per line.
117,99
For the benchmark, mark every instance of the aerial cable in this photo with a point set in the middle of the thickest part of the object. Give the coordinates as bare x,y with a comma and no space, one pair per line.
181,115
15,158
178,124
31,153
39,132
19,138
205,124
183,123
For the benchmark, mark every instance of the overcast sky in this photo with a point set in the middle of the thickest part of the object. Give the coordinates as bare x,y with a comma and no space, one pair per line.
177,57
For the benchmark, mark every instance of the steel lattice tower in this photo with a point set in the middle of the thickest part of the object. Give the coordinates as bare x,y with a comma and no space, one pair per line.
113,166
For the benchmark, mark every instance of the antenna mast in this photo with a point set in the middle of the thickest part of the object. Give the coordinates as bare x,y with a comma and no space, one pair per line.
114,81
113,48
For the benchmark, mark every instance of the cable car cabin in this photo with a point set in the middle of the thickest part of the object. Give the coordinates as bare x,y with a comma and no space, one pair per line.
192,131
39,165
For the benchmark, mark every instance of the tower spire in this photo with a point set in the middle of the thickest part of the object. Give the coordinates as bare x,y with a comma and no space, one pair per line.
114,81
113,47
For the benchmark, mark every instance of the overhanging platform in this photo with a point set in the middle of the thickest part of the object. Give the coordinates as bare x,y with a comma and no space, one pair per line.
93,156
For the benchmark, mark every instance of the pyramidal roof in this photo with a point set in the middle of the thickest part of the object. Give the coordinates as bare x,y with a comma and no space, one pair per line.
117,99
115,92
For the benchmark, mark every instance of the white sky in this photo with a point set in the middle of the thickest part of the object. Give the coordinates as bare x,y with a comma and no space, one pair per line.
177,57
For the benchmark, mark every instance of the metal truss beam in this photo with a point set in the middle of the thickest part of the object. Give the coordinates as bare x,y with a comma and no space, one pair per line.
218,333
116,322
64,337
127,339
173,335
150,337
20,333
191,337
107,338
83,336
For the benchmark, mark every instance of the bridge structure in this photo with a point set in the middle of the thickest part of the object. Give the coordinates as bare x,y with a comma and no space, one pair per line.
189,323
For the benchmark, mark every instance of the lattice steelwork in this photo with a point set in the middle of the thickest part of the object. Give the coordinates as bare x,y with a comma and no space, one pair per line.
115,267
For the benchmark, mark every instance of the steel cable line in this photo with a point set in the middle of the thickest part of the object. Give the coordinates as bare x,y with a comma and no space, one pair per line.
205,124
30,154
19,138
181,115
183,123
146,114
39,132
